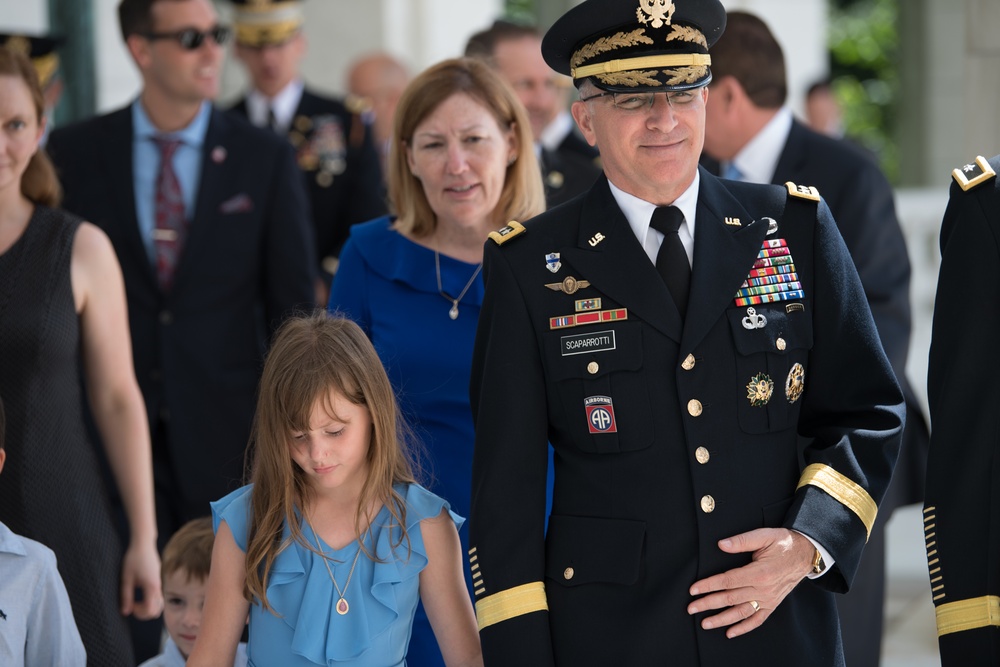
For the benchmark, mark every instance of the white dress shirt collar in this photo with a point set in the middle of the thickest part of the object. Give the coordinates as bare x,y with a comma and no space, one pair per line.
638,213
284,105
759,158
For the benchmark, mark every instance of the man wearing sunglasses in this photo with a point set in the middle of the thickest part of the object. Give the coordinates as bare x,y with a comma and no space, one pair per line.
209,220
334,146
673,335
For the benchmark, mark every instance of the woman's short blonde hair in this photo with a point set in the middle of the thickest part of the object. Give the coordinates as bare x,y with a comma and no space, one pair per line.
522,197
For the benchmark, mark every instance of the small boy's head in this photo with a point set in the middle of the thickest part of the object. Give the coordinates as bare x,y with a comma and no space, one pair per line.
186,561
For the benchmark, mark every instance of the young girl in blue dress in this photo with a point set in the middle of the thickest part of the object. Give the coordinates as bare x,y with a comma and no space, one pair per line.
330,547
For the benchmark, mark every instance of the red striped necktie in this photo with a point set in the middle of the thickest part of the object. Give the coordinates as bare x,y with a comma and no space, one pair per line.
171,224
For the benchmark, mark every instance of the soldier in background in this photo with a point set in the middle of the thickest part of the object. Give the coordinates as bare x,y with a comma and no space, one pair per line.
569,164
962,506
333,144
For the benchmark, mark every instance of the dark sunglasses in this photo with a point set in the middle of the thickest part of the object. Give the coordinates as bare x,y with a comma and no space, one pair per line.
191,39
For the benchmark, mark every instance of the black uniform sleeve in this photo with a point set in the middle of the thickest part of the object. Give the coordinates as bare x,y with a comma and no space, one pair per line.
961,522
508,476
852,416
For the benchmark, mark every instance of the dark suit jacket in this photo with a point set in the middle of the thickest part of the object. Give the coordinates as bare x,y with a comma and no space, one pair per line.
861,200
659,451
340,168
198,349
566,174
962,512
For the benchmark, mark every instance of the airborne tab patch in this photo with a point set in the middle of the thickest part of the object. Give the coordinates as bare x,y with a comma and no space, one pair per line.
802,191
513,228
973,174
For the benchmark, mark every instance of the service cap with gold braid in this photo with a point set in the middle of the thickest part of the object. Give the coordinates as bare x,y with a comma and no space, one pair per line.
40,49
266,22
636,45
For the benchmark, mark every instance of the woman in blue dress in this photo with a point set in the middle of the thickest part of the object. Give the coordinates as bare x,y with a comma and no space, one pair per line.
462,165
331,546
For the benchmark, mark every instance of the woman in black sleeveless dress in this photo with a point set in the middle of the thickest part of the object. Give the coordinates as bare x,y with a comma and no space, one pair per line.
62,309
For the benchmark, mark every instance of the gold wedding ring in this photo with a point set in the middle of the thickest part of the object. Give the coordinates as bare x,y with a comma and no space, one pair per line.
755,605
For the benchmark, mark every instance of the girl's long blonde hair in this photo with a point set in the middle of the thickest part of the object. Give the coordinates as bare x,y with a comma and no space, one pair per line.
310,357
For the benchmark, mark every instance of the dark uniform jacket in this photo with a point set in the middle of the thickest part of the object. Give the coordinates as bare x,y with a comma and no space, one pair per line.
566,174
198,350
340,166
669,436
861,201
962,511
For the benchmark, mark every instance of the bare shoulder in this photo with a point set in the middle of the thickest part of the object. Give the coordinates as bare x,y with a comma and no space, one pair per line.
91,244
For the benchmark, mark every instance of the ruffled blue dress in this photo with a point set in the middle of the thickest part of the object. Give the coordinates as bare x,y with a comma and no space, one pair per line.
304,628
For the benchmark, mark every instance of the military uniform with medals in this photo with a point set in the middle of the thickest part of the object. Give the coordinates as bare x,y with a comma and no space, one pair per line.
670,433
962,505
333,143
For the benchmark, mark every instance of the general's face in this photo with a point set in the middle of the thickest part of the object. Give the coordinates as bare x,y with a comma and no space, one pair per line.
273,66
333,451
460,154
20,130
520,63
183,603
185,76
651,153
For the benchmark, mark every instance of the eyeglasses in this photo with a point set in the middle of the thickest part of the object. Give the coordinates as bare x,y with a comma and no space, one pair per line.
191,39
677,99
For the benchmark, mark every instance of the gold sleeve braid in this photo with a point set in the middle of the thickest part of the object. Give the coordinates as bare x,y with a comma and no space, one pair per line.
511,603
969,614
844,490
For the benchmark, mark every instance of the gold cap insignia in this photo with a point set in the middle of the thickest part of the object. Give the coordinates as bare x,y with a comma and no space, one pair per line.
655,13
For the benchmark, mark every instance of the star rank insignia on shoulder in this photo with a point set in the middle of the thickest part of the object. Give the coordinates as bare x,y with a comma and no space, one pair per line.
802,191
513,228
973,174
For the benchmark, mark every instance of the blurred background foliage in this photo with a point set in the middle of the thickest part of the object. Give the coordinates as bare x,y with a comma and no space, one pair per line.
864,48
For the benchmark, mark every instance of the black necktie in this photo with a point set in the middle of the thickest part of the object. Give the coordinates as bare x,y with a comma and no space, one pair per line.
672,260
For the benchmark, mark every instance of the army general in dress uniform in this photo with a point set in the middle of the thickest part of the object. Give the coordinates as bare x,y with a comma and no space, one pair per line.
672,335
334,147
962,510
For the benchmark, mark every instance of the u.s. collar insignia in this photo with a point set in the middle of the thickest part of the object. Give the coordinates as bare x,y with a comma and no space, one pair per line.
759,390
569,285
552,262
753,320
795,383
733,222
772,225
659,12
513,228
595,239
973,174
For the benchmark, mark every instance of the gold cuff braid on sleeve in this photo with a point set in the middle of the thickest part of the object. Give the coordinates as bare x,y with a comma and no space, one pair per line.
511,603
844,490
968,614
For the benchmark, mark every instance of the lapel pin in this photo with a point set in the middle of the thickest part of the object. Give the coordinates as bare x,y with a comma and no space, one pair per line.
218,155
772,225
733,222
552,262
595,239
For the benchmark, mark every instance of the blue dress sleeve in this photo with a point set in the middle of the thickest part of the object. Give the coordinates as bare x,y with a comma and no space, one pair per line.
349,293
234,509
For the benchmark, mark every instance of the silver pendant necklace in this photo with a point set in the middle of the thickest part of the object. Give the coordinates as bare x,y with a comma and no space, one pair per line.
342,606
453,313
